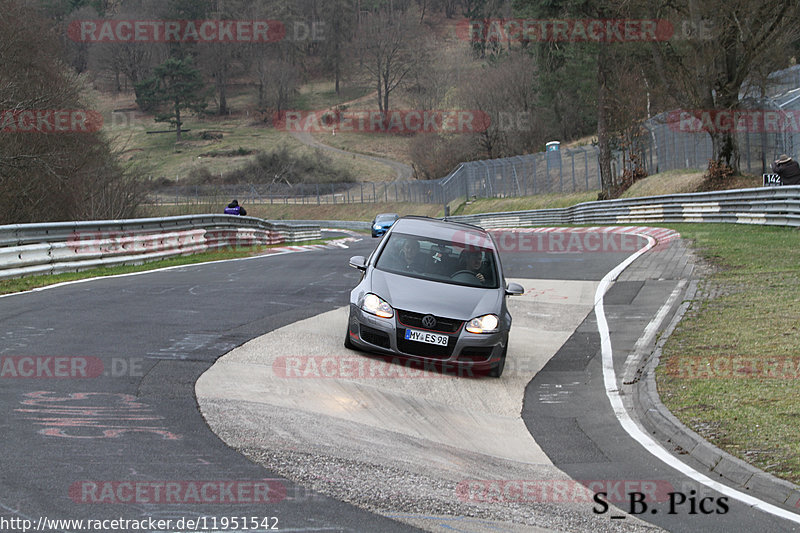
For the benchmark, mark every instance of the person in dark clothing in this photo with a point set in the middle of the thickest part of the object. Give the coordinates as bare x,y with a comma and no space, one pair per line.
403,255
235,209
788,169
472,260
409,256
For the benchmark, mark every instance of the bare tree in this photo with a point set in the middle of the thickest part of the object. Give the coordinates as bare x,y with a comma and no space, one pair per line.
390,47
277,67
450,8
130,61
565,82
429,86
277,82
735,40
482,10
61,175
339,18
504,93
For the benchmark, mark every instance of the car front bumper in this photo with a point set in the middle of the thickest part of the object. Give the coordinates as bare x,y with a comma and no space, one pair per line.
387,336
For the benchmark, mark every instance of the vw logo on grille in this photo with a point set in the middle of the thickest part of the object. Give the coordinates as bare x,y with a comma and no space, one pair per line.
429,321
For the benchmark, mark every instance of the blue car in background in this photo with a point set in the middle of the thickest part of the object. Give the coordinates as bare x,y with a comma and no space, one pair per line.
381,223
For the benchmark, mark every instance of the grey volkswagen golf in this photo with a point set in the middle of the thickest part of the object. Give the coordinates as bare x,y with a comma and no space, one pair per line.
433,291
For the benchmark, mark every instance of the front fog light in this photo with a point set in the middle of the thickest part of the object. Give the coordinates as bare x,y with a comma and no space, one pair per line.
483,324
377,306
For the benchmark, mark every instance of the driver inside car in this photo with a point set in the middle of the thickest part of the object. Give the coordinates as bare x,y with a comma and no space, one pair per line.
473,261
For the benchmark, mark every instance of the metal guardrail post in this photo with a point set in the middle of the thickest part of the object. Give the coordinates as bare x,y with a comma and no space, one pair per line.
586,166
572,157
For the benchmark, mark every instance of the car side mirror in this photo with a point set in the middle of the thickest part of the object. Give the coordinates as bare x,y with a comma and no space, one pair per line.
359,262
514,289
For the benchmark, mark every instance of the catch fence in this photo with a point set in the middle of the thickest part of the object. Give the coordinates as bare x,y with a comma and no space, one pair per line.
663,143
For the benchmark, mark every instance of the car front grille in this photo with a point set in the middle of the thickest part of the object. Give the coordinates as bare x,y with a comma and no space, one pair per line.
443,325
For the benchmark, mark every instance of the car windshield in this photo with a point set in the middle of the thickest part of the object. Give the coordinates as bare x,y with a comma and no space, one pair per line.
385,218
437,260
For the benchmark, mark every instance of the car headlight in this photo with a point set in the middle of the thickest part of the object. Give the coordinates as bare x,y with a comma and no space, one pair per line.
377,306
376,226
483,324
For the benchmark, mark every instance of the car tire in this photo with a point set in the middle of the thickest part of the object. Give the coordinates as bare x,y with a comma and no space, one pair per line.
496,370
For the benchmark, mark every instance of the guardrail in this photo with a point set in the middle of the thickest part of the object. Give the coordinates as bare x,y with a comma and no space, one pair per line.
52,248
29,249
775,206
353,225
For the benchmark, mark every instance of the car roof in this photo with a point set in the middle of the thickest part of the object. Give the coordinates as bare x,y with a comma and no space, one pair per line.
456,232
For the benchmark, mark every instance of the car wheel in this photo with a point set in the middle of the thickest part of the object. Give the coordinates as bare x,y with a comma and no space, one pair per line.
496,370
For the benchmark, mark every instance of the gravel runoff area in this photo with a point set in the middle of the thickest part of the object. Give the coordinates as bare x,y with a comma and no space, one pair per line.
407,446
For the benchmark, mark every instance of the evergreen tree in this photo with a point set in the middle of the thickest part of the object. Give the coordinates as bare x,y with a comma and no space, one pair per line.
176,86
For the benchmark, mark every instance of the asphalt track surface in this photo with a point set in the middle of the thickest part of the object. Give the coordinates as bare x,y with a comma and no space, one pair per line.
157,333
170,326
569,415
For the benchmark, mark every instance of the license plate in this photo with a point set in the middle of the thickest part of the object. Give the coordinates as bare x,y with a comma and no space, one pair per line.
424,336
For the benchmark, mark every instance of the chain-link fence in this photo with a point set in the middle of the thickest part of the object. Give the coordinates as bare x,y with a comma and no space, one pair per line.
668,141
298,193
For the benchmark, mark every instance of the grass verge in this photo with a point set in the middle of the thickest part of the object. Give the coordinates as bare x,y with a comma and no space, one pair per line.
541,201
731,370
386,145
243,132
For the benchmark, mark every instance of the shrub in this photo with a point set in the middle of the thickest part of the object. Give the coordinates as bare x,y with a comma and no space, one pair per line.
717,176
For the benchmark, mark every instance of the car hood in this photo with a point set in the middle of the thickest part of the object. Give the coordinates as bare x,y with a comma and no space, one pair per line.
436,298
